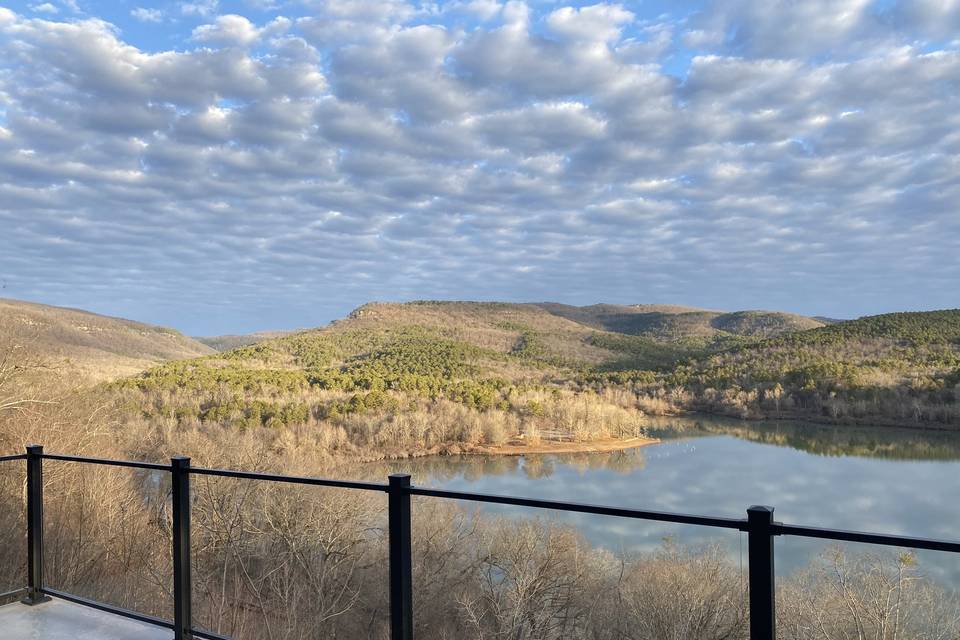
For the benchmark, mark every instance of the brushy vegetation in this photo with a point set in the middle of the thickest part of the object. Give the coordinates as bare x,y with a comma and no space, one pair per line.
277,562
520,371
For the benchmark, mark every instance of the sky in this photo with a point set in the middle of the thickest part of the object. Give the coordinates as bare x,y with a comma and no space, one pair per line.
224,167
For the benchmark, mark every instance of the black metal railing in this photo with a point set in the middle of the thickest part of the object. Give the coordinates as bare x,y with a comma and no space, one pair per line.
759,525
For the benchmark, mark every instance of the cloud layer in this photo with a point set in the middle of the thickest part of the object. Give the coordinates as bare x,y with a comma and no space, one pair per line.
278,168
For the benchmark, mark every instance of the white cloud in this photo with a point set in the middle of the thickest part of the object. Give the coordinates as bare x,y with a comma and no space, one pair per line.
202,8
842,28
7,17
147,15
276,27
337,22
553,140
45,7
228,30
373,10
481,9
559,127
596,23
513,58
516,14
783,28
933,18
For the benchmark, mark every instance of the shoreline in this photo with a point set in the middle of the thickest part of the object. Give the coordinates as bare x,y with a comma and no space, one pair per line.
603,445
846,421
516,446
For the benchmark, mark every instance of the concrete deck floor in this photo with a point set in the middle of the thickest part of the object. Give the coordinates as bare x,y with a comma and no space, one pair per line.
62,620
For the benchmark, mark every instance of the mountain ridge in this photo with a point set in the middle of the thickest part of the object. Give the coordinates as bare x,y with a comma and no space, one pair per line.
899,368
96,346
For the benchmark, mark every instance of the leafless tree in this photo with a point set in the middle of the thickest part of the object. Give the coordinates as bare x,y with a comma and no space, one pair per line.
867,597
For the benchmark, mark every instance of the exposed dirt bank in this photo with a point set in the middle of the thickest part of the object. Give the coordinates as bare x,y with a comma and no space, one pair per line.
518,447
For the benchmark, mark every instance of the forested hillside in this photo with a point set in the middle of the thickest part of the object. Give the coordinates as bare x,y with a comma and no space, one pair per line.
232,341
412,377
420,376
675,323
426,376
899,368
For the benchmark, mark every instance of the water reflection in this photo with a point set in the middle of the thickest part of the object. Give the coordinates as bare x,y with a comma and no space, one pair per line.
874,479
889,443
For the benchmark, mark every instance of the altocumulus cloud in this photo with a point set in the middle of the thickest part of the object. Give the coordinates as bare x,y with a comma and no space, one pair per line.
225,172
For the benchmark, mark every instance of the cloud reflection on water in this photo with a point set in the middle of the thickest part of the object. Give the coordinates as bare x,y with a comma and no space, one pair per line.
721,470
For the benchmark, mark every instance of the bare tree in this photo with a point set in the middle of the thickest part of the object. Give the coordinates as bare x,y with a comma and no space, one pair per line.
683,594
866,597
17,364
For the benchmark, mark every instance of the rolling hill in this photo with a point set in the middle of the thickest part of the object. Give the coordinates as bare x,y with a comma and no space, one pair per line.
898,368
232,341
529,360
94,346
426,346
902,368
409,378
676,323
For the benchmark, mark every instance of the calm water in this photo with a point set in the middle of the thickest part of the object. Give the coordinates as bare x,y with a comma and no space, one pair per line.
873,479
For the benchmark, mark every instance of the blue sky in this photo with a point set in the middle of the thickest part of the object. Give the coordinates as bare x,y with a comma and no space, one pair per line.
234,166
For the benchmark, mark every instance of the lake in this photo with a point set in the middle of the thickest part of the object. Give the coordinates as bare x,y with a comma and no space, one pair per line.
875,479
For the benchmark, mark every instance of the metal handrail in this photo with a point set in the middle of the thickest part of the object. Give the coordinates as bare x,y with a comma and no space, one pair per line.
864,537
759,526
271,477
104,461
600,510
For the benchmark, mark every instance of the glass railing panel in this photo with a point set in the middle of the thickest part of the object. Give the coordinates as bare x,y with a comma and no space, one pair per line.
107,535
13,545
280,561
847,590
491,571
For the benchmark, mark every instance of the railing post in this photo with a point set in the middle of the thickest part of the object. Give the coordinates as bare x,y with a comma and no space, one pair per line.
763,616
35,593
401,560
180,499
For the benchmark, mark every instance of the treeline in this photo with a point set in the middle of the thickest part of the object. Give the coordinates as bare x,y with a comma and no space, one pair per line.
897,369
407,390
411,360
378,423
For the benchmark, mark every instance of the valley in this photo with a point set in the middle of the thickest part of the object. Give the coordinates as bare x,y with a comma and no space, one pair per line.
602,404
417,378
